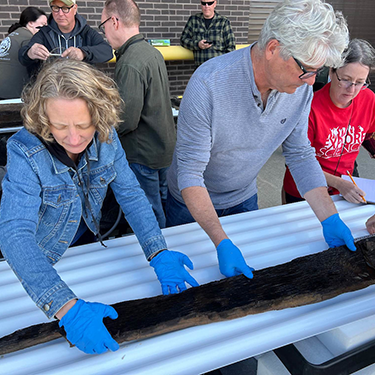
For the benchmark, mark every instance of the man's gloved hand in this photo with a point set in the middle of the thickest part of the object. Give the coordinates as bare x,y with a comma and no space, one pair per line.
85,329
170,270
336,233
231,261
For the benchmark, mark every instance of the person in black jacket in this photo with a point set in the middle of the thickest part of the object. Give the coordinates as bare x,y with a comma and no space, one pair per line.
66,34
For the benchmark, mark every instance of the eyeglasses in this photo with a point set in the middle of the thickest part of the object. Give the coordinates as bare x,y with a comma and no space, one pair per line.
101,28
307,73
348,84
209,3
65,10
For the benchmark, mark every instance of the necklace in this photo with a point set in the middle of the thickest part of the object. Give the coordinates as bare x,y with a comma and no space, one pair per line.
344,144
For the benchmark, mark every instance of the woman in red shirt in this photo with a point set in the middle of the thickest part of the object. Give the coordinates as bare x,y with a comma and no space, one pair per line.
342,116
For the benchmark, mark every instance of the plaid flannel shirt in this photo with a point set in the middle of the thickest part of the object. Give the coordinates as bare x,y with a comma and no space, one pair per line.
219,33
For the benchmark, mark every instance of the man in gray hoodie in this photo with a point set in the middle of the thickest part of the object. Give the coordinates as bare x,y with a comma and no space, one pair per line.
66,34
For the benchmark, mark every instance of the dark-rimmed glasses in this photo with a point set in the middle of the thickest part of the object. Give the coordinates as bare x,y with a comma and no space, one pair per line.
348,84
101,28
56,9
209,3
307,73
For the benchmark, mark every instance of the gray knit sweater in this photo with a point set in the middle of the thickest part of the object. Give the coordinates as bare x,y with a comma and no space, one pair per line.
225,136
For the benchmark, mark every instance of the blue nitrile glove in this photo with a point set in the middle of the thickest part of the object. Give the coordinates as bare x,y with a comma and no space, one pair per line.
85,329
170,270
336,233
231,261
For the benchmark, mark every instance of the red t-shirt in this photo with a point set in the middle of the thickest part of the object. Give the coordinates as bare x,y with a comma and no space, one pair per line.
328,127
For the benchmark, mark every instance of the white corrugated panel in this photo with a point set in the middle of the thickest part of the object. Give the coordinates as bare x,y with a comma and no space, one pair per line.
120,272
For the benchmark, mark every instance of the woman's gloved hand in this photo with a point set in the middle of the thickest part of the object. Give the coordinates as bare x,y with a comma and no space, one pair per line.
170,269
85,329
336,233
231,260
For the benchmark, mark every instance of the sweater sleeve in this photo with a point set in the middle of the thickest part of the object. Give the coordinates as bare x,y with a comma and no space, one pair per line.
193,135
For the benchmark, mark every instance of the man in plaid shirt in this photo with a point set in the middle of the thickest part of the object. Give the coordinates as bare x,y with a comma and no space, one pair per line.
208,34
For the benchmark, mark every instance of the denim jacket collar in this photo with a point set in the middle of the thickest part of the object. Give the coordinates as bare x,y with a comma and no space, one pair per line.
92,152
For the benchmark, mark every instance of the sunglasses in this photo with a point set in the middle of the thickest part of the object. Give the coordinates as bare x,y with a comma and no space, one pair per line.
209,3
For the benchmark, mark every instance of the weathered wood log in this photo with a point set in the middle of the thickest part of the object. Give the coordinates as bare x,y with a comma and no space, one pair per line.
10,115
302,281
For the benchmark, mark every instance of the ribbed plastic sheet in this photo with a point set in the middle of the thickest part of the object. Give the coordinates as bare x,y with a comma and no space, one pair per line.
120,272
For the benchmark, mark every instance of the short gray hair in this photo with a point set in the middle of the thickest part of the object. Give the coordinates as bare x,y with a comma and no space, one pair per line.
309,30
126,10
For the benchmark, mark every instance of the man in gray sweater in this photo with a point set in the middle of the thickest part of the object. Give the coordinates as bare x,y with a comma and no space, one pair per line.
238,109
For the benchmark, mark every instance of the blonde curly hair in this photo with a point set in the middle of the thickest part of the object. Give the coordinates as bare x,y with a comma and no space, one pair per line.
71,79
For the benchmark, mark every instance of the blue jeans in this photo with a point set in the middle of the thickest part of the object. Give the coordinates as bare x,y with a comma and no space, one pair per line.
177,213
154,184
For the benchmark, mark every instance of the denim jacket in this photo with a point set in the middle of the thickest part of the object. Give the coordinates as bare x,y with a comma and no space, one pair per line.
41,209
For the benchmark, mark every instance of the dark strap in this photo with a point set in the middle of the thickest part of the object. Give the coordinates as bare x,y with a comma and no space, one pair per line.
87,201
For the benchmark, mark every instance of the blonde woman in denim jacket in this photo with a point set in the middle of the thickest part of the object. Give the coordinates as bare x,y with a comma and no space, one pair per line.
58,172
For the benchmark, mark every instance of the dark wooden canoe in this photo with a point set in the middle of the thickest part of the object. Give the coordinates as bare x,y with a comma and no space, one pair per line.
309,279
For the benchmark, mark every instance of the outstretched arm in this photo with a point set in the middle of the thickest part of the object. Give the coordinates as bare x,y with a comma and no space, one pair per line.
97,50
169,266
335,232
201,208
231,261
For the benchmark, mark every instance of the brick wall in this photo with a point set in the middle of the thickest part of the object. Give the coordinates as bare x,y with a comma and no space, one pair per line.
161,19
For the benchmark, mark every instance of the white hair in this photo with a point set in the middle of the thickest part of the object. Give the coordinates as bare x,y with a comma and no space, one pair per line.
309,30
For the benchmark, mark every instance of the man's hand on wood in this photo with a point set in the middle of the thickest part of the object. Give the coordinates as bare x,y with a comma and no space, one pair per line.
336,233
231,260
